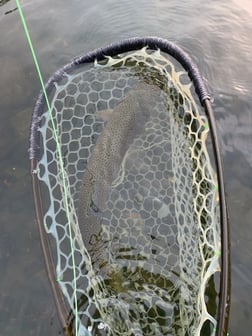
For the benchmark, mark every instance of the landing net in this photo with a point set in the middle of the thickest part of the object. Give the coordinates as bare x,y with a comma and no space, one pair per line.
130,194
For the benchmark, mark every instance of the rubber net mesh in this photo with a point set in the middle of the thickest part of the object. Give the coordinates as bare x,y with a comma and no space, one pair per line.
131,198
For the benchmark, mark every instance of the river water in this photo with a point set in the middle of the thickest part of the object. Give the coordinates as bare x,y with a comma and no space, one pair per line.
217,35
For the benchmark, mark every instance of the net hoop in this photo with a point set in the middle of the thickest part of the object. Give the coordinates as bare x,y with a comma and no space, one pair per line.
34,153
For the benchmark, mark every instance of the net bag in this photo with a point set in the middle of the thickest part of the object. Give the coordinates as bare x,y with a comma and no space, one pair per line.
129,194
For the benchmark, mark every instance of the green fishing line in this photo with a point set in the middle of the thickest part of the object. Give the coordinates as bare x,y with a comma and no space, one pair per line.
58,149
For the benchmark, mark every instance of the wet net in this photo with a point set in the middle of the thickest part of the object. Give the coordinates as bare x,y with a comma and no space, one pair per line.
130,194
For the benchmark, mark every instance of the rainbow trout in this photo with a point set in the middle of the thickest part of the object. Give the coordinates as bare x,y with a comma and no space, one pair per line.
127,120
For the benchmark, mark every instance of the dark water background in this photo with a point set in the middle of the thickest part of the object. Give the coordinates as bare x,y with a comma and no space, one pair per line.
217,34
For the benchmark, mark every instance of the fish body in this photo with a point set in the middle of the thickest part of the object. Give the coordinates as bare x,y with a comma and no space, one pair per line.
127,121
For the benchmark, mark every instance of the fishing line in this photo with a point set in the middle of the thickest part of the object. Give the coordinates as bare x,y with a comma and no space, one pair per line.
61,164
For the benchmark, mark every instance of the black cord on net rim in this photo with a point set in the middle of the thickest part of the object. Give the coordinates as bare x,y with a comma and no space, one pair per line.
100,54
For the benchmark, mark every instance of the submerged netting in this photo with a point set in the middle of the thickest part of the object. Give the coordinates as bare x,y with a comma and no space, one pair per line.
130,196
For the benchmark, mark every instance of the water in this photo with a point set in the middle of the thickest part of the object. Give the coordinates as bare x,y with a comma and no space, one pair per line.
216,34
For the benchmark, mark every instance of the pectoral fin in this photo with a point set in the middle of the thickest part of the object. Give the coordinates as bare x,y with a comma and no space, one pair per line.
104,115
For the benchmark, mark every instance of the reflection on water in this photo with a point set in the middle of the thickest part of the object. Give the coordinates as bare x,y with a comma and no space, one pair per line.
244,4
235,127
217,34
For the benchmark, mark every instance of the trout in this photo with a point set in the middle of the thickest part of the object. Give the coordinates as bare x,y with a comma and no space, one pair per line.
126,122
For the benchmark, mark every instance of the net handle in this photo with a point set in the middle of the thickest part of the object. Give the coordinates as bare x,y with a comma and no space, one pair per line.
225,278
63,311
184,59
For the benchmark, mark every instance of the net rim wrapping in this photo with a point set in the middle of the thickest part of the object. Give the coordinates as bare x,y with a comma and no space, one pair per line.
113,49
185,60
